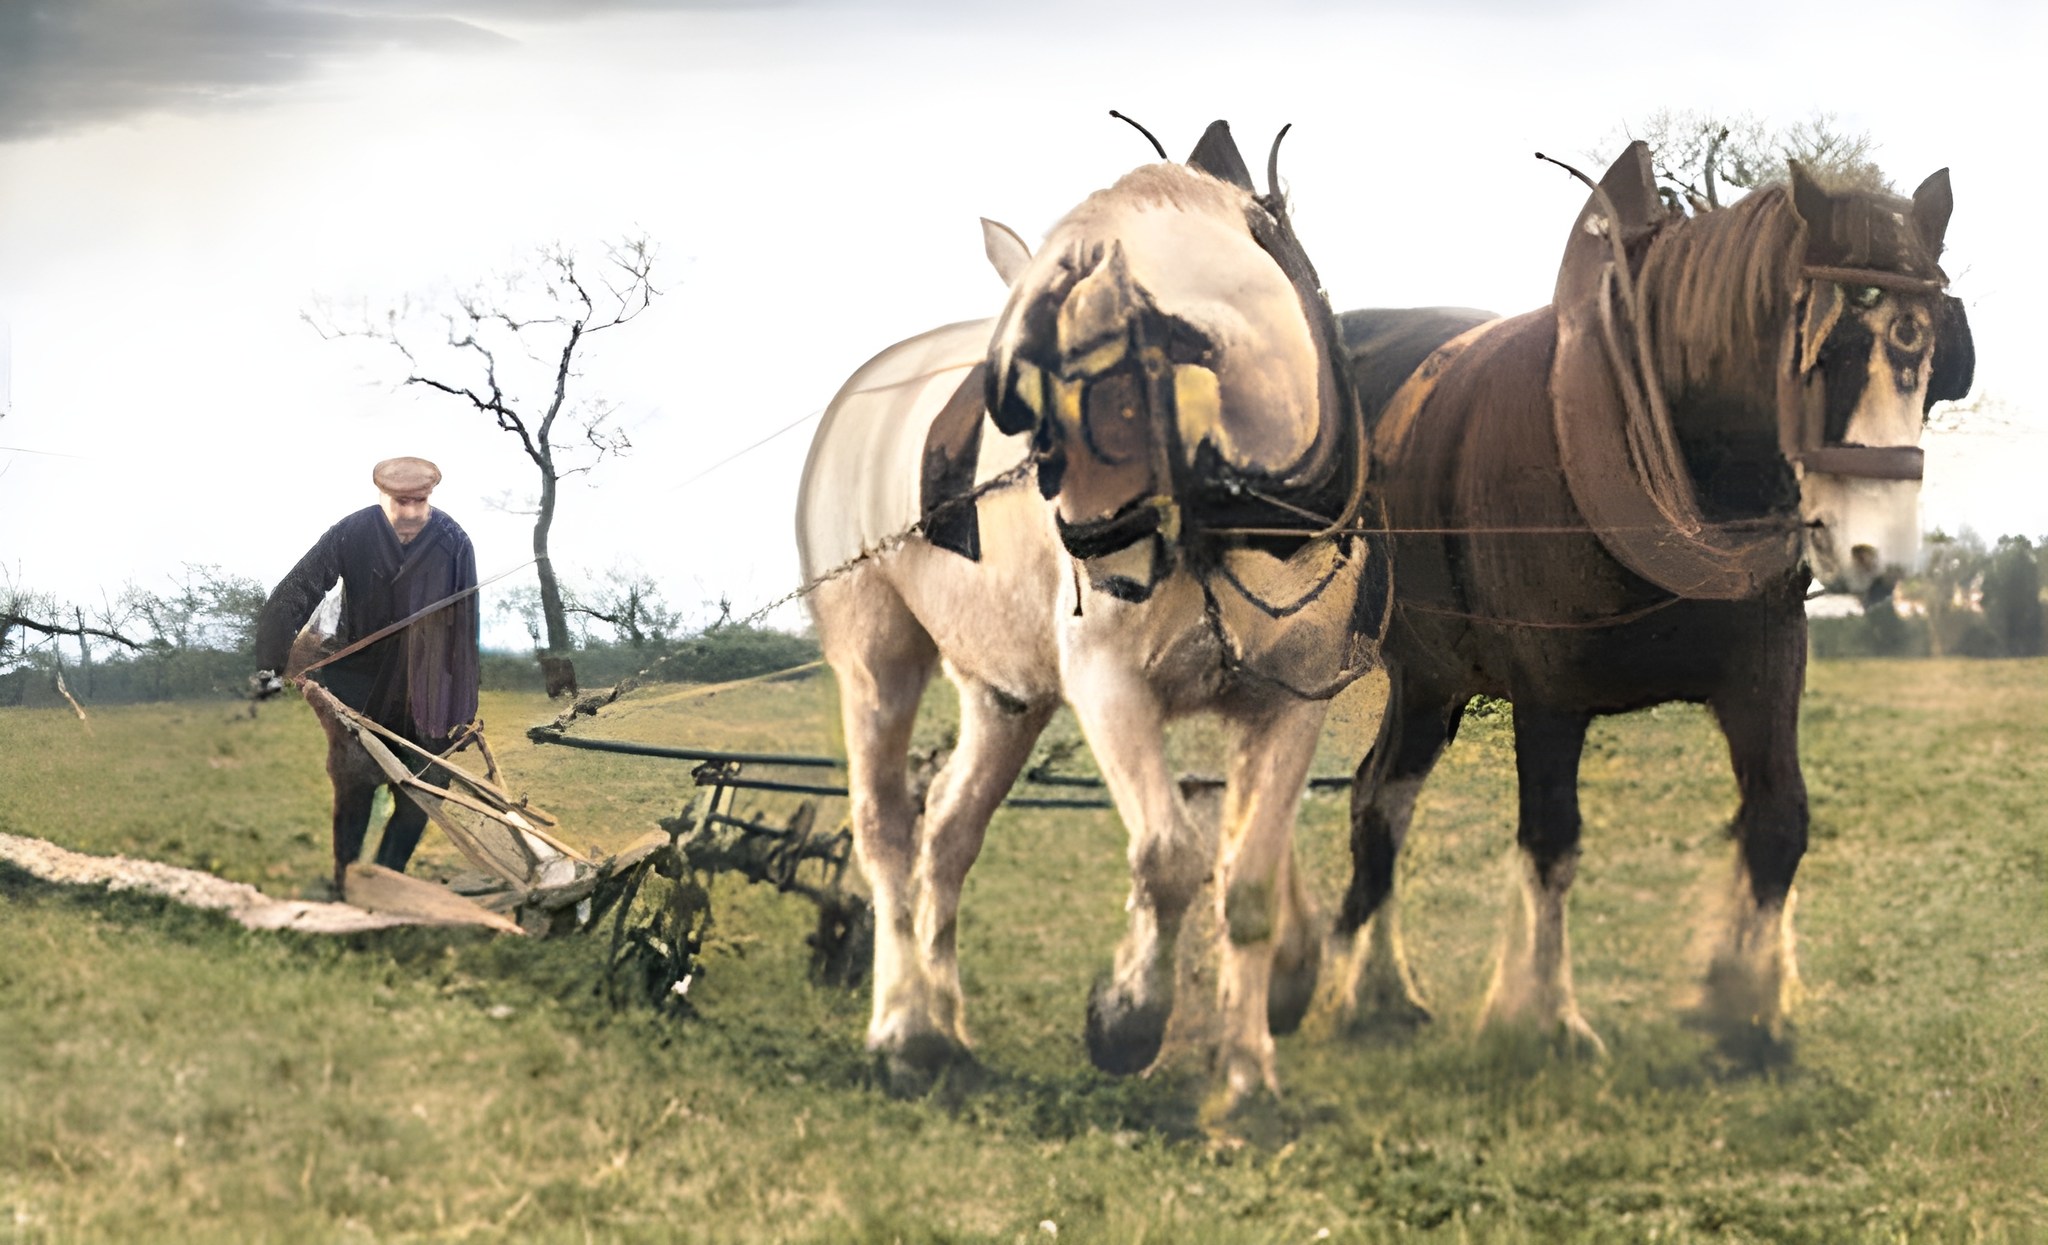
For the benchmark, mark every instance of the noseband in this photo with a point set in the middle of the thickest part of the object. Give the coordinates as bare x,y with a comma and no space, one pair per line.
1800,425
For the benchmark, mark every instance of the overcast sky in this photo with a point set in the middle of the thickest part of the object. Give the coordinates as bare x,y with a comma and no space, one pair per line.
178,181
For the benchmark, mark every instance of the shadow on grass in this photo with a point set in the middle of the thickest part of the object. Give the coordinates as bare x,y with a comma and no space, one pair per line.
1065,1106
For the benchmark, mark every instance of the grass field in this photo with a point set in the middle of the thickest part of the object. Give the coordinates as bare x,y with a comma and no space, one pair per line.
166,1076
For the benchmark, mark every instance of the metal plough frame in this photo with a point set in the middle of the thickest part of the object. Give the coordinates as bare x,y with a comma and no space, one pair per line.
550,887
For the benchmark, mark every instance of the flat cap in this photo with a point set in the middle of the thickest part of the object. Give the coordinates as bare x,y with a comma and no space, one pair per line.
405,475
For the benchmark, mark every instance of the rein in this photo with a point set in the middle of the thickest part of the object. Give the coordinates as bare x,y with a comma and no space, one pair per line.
407,621
1578,624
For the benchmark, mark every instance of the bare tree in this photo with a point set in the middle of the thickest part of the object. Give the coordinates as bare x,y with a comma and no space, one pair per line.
1699,156
208,608
632,604
1833,154
627,600
25,613
510,353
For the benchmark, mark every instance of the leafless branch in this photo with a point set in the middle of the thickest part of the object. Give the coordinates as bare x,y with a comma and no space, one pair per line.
1697,155
10,620
507,502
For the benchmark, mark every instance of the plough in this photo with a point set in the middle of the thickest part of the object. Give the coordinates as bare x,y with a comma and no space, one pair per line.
655,890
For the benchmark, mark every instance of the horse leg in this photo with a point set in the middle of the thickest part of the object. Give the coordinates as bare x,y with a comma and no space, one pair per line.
1297,952
1170,856
1380,989
1257,898
996,734
883,658
1754,978
1533,981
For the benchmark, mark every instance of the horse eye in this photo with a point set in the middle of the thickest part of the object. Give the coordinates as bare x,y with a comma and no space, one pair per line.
1906,334
1866,296
1111,422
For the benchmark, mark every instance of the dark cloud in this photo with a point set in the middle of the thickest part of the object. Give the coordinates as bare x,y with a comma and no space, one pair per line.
73,64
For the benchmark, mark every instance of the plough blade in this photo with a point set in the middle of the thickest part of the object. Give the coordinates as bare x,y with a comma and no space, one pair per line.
374,888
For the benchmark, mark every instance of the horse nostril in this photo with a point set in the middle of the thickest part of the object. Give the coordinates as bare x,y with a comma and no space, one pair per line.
1865,558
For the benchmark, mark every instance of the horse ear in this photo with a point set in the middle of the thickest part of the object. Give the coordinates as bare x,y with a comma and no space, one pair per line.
1217,155
1955,355
1005,250
1932,203
1808,199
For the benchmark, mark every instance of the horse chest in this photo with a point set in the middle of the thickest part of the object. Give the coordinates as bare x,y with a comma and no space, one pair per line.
1166,641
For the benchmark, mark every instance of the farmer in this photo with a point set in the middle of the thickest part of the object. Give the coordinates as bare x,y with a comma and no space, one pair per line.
392,559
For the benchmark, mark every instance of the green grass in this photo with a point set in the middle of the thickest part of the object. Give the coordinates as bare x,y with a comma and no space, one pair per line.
166,1076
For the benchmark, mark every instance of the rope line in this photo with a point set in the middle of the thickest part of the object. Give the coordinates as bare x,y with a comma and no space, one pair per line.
742,453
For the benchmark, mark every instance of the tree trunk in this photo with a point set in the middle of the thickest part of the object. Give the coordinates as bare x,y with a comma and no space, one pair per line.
84,651
1713,158
553,615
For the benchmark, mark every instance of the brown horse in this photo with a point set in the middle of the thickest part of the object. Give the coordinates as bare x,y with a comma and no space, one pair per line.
1620,500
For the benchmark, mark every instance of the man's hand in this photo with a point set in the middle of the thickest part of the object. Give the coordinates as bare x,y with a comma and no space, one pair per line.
264,684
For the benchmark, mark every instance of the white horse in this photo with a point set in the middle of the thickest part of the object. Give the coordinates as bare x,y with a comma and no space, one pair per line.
1163,373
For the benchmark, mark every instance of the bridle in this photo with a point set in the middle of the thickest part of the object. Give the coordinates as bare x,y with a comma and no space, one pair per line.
1802,423
1168,367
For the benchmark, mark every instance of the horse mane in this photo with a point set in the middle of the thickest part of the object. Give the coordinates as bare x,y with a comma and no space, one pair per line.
1177,186
1717,289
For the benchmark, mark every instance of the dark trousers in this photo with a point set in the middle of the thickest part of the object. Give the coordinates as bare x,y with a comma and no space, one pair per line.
356,778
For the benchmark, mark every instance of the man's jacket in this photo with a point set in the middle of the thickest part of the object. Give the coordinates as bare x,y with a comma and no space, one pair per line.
421,681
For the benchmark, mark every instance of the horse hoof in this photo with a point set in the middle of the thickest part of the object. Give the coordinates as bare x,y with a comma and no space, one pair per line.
1740,998
1232,1119
1246,1093
1565,1030
1751,1036
1292,989
1396,1015
910,1068
1124,1039
1577,1039
1749,1047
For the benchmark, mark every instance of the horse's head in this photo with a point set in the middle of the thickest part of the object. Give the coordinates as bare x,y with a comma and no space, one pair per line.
1878,344
1799,337
1165,341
